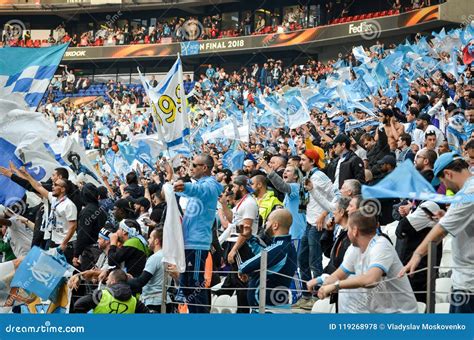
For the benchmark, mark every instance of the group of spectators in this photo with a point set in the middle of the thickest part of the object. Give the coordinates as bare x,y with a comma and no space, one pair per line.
193,28
297,196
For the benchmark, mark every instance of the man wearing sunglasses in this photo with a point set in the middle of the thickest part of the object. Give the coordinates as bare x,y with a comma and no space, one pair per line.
197,228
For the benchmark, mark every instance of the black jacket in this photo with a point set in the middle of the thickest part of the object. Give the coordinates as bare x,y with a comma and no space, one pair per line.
408,239
375,154
133,258
335,250
90,220
120,291
352,167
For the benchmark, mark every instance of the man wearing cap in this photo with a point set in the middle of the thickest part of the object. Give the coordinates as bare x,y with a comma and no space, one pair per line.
453,172
423,123
123,209
317,194
142,207
249,167
197,227
347,165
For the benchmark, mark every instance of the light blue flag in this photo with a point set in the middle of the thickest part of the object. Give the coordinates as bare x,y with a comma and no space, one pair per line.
109,159
358,90
380,75
143,154
317,101
120,166
413,186
233,159
128,151
292,92
11,192
394,62
391,186
298,113
27,72
40,273
360,54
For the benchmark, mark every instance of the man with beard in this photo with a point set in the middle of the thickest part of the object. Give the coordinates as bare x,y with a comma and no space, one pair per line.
369,262
423,123
242,232
281,258
392,128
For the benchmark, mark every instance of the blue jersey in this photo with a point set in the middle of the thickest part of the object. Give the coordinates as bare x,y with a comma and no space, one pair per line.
200,212
281,259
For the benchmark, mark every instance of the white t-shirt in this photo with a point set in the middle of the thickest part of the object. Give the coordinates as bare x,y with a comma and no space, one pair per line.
65,211
379,254
459,222
246,208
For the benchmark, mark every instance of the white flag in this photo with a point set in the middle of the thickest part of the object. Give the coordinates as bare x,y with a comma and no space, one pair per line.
168,103
173,241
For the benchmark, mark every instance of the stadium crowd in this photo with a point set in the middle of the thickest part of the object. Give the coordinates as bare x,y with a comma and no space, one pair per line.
297,194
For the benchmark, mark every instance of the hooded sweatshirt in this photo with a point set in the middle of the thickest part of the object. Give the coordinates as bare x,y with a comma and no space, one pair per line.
91,219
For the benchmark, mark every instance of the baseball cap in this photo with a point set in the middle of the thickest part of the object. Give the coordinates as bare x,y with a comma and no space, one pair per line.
388,159
124,204
441,163
244,181
341,139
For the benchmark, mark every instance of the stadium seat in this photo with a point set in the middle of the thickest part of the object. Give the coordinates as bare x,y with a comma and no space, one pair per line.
356,17
443,288
442,308
323,307
421,307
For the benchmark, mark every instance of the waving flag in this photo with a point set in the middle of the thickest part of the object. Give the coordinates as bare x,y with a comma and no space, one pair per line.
12,192
168,103
233,159
40,273
360,54
26,72
298,113
173,241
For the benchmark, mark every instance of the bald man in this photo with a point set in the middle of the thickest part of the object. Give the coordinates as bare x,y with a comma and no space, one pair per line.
281,259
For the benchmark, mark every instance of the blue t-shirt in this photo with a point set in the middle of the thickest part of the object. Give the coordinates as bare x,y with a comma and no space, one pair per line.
151,292
292,202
